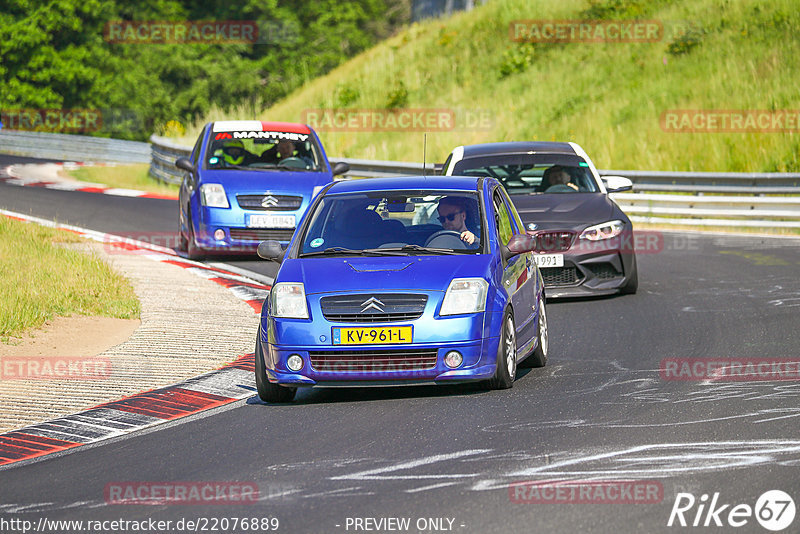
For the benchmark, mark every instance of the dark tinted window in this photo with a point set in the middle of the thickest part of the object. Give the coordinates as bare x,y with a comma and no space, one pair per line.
533,173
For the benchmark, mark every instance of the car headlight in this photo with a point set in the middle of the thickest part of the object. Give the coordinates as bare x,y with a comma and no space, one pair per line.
605,230
288,300
213,196
465,295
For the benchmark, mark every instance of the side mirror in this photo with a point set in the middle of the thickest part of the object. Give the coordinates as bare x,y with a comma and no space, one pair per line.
185,164
519,244
340,168
271,250
617,184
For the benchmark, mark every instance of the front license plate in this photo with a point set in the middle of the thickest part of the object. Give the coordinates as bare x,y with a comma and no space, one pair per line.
270,221
549,260
372,335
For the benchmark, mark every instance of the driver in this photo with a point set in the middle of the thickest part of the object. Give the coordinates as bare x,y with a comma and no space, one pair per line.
453,216
557,178
234,153
283,149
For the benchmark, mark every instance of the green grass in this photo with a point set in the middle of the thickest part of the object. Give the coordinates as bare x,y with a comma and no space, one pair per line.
608,97
42,279
124,177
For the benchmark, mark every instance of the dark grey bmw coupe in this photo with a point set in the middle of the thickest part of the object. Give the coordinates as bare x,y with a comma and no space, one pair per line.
586,242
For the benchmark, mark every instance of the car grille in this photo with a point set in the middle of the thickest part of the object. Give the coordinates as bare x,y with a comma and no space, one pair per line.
281,202
554,241
358,308
373,361
559,276
259,234
605,270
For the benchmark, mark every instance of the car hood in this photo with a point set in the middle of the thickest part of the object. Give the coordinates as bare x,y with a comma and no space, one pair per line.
265,181
413,273
572,211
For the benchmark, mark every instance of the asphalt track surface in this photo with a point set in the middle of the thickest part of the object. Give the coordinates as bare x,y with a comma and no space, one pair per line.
599,411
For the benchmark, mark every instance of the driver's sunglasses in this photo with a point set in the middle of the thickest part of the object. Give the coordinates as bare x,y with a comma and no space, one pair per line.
451,217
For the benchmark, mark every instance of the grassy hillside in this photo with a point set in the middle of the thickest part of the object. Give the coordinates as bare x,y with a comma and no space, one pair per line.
608,97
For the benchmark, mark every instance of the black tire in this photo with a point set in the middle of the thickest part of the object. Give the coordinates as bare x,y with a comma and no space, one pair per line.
182,241
267,391
506,355
538,357
633,282
192,252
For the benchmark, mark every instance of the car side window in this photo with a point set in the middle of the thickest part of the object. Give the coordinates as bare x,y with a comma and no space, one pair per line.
196,150
446,164
502,219
513,210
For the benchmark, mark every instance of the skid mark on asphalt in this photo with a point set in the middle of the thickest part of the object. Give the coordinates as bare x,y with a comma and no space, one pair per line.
489,469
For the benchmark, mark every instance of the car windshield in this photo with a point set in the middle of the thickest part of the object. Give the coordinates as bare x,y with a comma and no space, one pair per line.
394,223
284,151
533,173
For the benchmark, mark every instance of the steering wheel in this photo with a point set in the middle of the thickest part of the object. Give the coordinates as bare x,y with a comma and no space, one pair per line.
443,233
294,162
560,188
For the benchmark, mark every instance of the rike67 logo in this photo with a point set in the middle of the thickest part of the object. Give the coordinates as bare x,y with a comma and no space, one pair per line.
774,510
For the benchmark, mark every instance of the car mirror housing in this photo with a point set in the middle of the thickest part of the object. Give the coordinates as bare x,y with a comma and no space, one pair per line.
617,184
340,168
520,243
184,164
271,250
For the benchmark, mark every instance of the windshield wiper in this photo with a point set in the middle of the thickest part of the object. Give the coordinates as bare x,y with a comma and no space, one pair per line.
330,250
243,168
411,248
295,169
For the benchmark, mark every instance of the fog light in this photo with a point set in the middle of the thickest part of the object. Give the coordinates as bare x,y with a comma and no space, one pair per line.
294,363
453,359
219,234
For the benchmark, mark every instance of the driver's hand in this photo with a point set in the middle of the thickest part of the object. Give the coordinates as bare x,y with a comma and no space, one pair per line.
467,237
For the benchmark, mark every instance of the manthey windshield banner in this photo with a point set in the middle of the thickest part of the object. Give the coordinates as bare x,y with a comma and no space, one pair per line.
260,130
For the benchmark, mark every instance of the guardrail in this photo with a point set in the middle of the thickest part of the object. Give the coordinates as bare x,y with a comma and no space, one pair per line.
65,147
648,204
737,200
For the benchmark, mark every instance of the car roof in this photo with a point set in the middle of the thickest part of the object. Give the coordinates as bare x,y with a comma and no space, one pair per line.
401,183
517,147
260,126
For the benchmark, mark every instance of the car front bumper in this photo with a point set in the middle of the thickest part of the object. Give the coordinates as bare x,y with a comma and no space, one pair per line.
420,362
591,269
